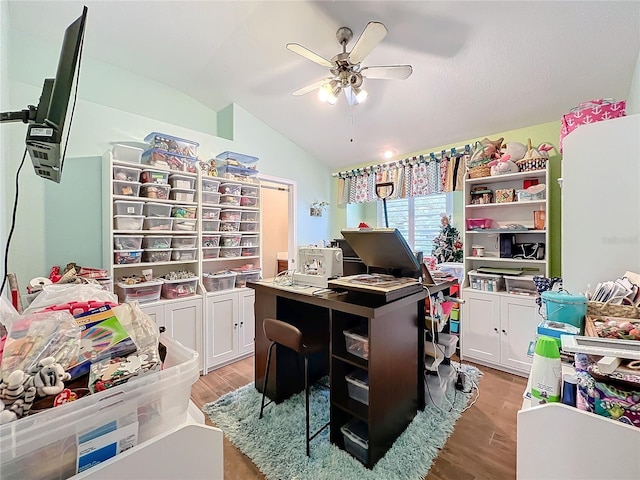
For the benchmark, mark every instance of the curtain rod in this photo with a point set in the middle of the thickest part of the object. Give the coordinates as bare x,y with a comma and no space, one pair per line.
421,157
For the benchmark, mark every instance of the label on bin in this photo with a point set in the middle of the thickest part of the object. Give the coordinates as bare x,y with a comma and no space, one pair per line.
105,442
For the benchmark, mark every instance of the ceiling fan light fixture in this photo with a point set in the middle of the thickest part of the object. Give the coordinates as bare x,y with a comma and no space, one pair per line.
361,94
389,153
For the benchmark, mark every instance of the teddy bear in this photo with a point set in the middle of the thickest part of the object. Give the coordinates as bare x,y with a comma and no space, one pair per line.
503,165
6,415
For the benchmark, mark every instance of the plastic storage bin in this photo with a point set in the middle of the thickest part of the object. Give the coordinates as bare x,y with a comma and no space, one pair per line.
155,190
229,240
214,282
486,281
158,223
179,288
522,284
123,187
356,439
172,144
233,200
142,292
248,226
127,242
234,158
210,185
184,211
152,209
249,191
232,215
184,241
211,197
226,226
125,153
127,174
124,207
449,343
245,276
209,213
127,257
150,175
249,216
157,241
358,386
182,194
563,307
182,181
128,222
210,252
230,189
249,251
173,161
357,342
211,225
249,241
478,223
183,254
212,241
234,172
184,224
230,252
248,201
153,255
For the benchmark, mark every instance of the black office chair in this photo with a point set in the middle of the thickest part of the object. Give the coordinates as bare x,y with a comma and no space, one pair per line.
289,336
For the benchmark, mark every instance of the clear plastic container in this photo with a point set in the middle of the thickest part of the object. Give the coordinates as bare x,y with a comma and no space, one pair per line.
210,185
179,288
250,241
127,174
182,194
233,200
486,281
122,187
522,285
228,240
249,251
184,211
156,157
233,158
124,207
172,144
246,276
230,252
211,241
184,224
478,223
183,254
211,225
155,190
151,175
250,216
248,201
357,342
356,439
209,213
184,241
142,292
127,242
449,343
42,445
210,252
211,197
231,171
127,257
154,255
153,241
249,190
229,226
227,214
152,209
248,226
358,386
230,189
125,153
214,282
158,223
128,222
182,181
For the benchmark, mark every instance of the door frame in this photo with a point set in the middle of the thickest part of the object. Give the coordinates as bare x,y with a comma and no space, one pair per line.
292,187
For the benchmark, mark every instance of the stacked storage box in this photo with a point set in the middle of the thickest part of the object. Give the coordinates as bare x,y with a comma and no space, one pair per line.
236,165
171,152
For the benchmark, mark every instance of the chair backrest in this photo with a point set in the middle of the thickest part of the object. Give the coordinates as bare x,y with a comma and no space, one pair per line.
283,333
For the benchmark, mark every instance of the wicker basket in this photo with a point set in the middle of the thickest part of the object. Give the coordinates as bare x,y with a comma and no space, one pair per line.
606,309
533,160
479,170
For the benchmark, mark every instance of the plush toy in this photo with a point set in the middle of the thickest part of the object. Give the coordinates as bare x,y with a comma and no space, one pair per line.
487,149
544,149
515,150
503,165
15,396
48,377
6,416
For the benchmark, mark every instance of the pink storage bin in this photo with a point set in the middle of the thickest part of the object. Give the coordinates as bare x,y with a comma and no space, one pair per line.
478,223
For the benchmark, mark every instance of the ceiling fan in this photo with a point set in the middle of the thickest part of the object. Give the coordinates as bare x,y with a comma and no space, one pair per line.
347,72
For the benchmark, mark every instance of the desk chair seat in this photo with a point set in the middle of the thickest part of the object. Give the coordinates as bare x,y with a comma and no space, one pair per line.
287,335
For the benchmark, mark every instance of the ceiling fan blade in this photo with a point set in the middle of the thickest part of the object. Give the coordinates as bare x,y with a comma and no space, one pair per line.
312,87
395,72
306,53
372,35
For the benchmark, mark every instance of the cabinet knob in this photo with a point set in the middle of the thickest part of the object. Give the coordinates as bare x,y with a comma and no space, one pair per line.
504,331
496,330
241,323
235,325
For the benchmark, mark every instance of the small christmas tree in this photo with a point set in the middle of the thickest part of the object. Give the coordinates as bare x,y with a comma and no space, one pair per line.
447,247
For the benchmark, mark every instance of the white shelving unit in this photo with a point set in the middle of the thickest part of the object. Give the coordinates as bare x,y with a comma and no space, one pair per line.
497,326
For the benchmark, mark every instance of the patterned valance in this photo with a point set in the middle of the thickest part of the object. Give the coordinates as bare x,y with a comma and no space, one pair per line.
411,177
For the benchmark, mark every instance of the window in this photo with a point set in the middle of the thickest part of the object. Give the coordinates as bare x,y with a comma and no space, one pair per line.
417,218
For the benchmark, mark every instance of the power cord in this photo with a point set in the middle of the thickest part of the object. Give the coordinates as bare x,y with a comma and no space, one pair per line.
13,224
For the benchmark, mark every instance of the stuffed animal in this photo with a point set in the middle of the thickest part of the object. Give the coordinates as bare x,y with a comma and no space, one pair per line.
515,150
487,149
15,396
6,416
503,165
48,377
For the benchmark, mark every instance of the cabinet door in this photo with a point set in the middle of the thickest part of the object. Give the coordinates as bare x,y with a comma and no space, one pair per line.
247,322
222,328
519,319
479,326
184,323
156,312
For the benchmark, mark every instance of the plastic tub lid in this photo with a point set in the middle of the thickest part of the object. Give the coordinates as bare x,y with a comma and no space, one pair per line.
166,152
190,279
132,216
150,283
220,275
178,175
236,156
151,136
359,377
126,181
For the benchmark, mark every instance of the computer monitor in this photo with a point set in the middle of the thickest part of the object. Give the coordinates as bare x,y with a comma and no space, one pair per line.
45,132
383,248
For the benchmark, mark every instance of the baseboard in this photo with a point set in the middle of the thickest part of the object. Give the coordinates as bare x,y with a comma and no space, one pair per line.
237,359
496,366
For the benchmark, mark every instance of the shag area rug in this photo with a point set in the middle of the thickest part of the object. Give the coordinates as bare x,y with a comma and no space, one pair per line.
276,443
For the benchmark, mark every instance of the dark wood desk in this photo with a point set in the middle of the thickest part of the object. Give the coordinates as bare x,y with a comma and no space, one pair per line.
395,364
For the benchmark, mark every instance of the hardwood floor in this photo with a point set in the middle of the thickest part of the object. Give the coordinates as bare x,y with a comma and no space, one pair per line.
482,446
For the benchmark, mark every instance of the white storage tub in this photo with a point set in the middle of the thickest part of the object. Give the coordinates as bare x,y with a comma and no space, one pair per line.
152,241
181,181
211,197
358,386
128,174
123,187
151,175
154,255
144,292
486,281
209,213
356,439
127,242
152,209
182,194
161,224
357,342
44,445
210,185
124,207
211,225
125,153
184,241
128,222
214,282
